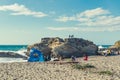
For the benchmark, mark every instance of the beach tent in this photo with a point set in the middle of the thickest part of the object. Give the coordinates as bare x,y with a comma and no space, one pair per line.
35,56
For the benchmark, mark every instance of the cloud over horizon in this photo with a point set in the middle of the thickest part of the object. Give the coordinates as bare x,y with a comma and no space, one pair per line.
21,10
94,20
86,29
97,19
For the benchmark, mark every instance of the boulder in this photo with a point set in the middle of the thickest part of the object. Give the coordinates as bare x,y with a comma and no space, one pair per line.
12,55
44,48
116,45
58,47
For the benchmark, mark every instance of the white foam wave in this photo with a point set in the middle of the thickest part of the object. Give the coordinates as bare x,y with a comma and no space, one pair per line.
101,47
6,51
20,52
10,60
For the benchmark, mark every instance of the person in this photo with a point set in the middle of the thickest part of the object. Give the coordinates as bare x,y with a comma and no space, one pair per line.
109,52
69,36
73,58
72,36
85,57
118,52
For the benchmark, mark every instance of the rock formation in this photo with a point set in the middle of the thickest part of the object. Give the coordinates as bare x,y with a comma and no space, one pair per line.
58,47
116,45
12,55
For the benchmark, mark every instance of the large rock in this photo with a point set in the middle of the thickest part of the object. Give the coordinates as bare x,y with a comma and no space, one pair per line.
116,45
12,55
58,47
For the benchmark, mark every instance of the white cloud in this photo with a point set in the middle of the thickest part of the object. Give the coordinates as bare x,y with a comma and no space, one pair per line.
93,13
62,28
21,10
94,19
84,16
101,21
65,19
86,29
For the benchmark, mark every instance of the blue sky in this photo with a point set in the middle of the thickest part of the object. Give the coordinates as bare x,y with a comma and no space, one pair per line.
27,21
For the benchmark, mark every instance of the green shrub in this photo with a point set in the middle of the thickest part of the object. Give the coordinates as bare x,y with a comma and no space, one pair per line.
78,66
85,66
89,66
105,72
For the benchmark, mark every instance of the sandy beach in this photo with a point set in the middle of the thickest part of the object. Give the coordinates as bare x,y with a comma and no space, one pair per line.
56,71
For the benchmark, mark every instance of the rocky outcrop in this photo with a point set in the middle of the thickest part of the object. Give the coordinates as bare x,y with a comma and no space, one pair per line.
11,55
67,47
116,45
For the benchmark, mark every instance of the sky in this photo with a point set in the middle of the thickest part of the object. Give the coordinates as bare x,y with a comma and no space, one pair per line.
27,21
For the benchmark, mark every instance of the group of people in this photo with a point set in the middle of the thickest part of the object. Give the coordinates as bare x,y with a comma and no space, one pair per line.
71,36
85,58
110,52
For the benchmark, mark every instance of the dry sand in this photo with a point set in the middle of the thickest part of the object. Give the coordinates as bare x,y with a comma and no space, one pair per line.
55,71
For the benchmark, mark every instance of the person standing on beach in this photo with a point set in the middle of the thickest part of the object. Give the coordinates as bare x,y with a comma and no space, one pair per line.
73,58
85,57
118,52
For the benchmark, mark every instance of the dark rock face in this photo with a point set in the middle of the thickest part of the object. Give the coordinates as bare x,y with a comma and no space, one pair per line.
67,47
42,47
11,55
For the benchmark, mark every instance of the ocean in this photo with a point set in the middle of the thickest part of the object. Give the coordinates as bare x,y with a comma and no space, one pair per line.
12,47
19,49
24,47
105,46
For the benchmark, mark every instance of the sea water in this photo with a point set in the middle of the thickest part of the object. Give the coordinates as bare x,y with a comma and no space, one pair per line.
19,49
12,47
104,46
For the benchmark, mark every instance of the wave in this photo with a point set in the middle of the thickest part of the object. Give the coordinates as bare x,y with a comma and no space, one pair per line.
10,60
104,46
13,59
20,52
